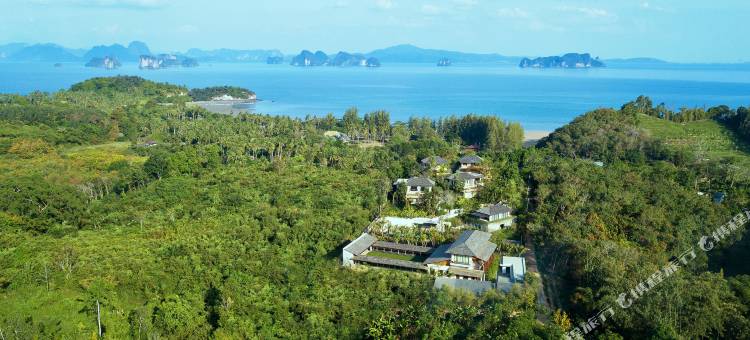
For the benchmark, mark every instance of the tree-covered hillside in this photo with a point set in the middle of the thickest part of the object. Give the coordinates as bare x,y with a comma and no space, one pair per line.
603,228
179,223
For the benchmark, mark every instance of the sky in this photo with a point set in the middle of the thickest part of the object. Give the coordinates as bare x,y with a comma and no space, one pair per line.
675,30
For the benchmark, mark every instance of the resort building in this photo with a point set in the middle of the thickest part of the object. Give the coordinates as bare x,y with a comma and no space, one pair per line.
416,187
471,254
463,264
440,223
466,258
436,164
512,270
474,286
337,135
367,249
492,218
469,161
468,183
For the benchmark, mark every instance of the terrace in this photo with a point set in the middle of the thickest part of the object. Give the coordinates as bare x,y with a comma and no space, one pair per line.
388,262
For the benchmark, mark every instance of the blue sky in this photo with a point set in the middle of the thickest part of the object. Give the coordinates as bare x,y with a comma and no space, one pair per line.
677,30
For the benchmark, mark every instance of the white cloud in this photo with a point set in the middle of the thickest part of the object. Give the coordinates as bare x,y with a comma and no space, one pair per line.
514,12
384,4
588,11
432,9
650,7
109,29
134,4
341,4
466,3
187,29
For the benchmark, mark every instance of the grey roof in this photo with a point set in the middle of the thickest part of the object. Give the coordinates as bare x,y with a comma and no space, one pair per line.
420,182
465,176
360,244
518,265
494,209
473,243
390,262
439,255
402,247
474,286
470,159
434,160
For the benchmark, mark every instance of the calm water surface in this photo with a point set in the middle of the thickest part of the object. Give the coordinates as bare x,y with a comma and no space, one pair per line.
538,99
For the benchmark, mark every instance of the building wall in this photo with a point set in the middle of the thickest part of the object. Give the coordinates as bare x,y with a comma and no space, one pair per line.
346,259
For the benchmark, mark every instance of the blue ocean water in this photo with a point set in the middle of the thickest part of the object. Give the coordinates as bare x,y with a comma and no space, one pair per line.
538,99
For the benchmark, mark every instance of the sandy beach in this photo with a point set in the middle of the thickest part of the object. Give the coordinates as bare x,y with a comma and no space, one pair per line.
535,134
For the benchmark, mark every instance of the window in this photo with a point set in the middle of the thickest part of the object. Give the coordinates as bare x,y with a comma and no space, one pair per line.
459,259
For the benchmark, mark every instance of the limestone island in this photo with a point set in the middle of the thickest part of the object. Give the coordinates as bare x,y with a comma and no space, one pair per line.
107,63
444,62
341,59
150,62
570,60
274,60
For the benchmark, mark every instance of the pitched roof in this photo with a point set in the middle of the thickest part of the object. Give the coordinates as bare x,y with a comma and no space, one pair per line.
420,182
495,209
465,176
473,243
434,160
360,244
439,255
470,159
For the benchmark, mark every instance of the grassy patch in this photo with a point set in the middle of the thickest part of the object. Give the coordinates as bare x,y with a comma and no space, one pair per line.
404,257
707,138
492,270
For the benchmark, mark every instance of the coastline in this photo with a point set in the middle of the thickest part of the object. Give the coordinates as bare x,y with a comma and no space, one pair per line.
534,135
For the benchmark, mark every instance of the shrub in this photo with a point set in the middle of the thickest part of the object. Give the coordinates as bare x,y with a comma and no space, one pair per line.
30,148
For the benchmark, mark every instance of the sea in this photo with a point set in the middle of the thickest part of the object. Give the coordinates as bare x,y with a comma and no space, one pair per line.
539,99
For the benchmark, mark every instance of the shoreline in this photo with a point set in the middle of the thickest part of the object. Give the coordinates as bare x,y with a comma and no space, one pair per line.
534,135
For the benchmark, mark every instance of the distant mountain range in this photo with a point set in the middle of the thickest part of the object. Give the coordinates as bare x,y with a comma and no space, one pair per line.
40,52
229,55
54,53
414,54
132,53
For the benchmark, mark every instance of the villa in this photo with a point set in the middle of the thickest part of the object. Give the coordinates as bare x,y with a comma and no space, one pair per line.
468,183
512,271
467,258
416,187
463,264
494,217
435,163
439,223
470,255
469,161
337,135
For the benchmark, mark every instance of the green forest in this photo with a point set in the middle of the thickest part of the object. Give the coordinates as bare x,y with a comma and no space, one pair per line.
181,223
